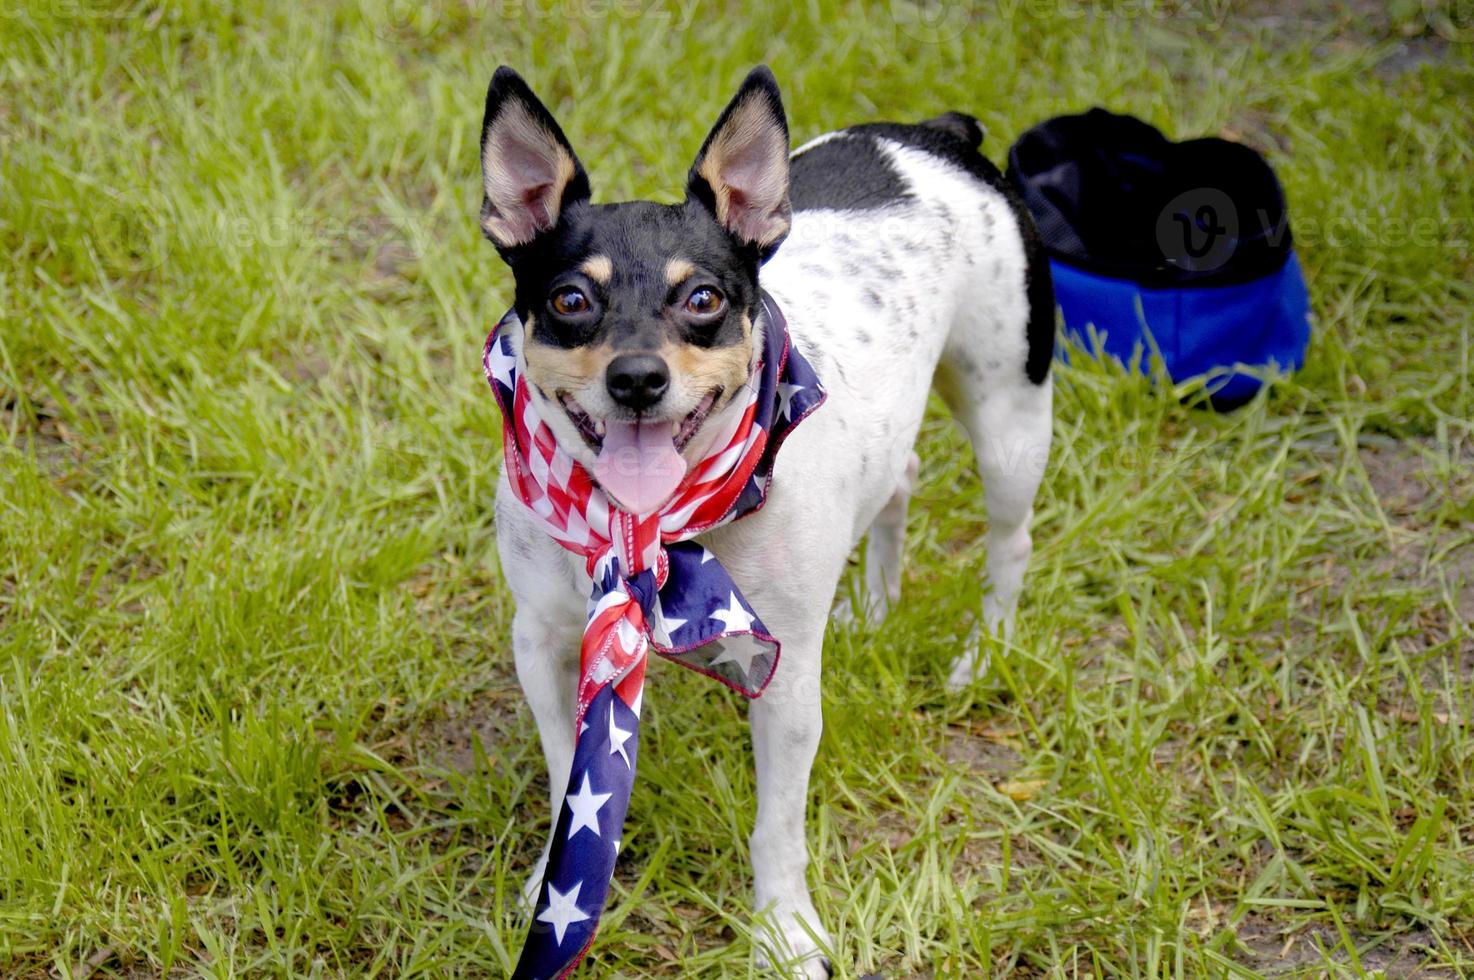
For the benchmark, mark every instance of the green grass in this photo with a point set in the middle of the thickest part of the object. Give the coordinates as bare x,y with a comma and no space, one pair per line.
257,715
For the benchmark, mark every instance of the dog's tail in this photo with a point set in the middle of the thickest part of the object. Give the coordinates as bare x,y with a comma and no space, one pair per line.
960,125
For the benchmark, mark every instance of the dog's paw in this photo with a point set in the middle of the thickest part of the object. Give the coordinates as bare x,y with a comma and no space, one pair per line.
972,665
814,967
967,669
792,944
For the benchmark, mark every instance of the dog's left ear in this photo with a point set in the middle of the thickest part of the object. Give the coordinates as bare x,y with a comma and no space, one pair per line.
529,174
741,173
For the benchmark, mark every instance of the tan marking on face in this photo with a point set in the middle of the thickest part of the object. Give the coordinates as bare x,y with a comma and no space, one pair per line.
598,268
678,271
702,369
554,369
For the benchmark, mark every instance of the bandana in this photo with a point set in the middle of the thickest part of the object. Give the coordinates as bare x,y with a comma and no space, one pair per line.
653,588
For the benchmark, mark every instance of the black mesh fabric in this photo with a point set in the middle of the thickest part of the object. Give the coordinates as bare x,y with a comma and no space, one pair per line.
1112,195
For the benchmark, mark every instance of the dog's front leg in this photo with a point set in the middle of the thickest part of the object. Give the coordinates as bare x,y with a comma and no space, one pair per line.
546,653
546,629
786,723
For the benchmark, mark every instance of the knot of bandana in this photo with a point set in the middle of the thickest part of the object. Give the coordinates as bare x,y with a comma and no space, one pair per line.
652,587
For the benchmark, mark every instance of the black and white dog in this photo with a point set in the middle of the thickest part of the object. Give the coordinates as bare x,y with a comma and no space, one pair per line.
907,262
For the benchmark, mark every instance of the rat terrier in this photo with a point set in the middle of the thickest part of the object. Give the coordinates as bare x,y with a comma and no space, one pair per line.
907,263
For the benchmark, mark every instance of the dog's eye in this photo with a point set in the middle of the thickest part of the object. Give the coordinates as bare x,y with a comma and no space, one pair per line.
705,301
569,301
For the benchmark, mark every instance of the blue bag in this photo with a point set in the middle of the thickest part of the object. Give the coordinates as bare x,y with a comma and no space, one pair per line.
1178,248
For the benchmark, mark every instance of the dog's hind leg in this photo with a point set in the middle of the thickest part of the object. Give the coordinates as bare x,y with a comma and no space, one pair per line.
884,545
1009,426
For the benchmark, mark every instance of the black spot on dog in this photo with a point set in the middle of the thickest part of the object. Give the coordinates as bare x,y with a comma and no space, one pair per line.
872,297
845,173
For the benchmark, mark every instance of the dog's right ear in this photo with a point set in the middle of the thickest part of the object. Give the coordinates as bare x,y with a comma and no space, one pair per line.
529,174
741,173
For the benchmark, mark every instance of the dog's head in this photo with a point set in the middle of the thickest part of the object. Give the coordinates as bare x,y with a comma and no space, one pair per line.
638,318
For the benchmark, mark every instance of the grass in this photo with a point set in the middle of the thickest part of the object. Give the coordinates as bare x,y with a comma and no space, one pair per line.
257,715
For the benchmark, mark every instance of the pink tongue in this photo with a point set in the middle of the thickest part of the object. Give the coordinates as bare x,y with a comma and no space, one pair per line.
639,465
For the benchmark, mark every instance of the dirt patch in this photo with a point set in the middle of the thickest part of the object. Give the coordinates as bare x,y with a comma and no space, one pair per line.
1277,950
1399,478
453,740
890,828
487,722
991,754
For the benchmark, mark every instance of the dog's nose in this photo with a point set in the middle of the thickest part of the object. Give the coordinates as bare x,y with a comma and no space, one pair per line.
637,381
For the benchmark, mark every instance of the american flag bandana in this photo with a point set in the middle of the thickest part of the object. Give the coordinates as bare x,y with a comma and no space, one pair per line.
653,588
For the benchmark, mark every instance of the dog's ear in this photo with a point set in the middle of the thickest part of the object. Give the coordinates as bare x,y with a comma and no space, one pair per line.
529,173
741,173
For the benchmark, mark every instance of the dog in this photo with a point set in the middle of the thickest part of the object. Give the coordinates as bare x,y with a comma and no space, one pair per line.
906,263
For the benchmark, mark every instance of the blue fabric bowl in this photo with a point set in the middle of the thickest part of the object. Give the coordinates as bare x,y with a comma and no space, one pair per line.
1182,249
1202,331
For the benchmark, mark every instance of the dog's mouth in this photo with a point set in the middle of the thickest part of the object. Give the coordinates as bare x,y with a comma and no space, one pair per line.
593,430
639,461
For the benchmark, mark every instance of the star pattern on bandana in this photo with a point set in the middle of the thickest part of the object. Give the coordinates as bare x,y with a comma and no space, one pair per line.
786,392
562,910
735,618
501,363
585,805
617,738
665,625
737,651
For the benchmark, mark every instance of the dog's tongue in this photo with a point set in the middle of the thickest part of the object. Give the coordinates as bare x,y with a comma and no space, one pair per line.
639,465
